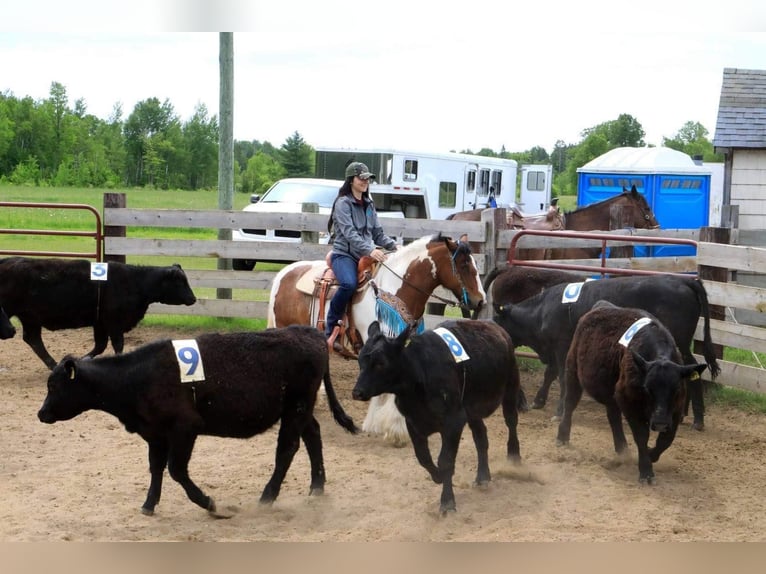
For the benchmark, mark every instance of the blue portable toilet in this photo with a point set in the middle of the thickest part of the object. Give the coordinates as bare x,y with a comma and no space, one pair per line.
676,188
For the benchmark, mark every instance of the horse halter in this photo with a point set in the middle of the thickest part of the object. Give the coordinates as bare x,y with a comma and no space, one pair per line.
465,249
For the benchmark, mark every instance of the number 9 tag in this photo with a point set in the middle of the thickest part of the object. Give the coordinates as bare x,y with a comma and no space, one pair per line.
189,360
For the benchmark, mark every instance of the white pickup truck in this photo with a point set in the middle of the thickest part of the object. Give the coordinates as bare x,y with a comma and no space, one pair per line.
287,196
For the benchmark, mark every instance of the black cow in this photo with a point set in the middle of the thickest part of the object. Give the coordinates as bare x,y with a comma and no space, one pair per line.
7,330
437,392
631,370
251,381
61,294
546,324
516,283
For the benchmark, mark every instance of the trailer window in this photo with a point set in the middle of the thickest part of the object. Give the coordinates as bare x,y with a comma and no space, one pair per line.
470,181
483,182
410,169
536,181
497,181
447,194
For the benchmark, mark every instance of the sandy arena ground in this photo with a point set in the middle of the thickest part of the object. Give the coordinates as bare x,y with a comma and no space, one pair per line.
85,479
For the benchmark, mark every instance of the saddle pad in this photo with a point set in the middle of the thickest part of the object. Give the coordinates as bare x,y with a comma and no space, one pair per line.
307,282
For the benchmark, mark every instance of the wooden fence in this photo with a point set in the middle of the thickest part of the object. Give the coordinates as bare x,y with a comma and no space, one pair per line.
489,237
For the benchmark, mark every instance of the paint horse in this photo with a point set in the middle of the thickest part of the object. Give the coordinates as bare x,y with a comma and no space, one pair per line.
410,276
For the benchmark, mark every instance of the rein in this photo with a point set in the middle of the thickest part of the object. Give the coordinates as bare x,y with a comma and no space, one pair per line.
461,305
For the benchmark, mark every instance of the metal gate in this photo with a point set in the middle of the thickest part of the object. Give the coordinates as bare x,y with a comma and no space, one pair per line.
97,235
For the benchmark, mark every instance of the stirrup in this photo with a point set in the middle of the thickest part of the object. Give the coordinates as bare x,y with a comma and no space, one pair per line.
334,345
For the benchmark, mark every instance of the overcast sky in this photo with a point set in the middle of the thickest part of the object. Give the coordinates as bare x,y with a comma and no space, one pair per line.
416,75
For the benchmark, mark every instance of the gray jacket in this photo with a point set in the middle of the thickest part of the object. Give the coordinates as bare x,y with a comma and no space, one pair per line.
356,228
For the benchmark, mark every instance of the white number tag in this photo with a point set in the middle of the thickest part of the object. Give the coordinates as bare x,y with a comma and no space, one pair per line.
457,350
189,360
98,271
628,335
571,292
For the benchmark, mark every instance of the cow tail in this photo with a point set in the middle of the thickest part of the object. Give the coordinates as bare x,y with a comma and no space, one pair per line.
707,343
336,408
491,276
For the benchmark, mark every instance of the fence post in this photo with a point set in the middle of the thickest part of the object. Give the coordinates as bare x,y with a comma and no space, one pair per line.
494,220
309,236
714,235
114,200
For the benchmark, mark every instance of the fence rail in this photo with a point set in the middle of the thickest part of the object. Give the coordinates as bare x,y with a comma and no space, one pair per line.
490,240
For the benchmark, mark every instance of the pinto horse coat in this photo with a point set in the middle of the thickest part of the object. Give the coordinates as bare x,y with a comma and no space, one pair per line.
411,274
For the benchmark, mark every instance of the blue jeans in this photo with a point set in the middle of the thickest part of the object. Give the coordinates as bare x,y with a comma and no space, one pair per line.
345,268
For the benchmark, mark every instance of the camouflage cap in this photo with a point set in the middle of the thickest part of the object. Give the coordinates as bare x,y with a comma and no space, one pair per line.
359,169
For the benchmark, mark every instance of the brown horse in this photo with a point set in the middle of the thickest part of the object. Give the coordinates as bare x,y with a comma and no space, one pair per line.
551,220
411,274
628,209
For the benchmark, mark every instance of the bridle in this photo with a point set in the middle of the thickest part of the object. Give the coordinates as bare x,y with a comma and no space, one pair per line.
464,304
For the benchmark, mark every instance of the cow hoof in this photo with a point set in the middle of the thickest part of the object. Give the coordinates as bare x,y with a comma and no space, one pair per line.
444,509
561,442
316,491
147,511
538,405
482,484
698,426
649,480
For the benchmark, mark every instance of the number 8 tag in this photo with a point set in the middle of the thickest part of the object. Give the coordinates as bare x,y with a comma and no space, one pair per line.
189,360
454,346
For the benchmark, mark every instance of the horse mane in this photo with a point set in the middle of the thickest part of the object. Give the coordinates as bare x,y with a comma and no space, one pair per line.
631,193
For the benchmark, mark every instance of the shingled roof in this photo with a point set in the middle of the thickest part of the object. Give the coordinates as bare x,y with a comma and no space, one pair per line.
742,110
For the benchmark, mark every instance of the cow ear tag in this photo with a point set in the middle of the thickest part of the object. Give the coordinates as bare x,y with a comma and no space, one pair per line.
99,271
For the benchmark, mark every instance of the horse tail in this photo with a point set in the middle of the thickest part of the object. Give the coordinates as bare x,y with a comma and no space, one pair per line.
336,408
707,343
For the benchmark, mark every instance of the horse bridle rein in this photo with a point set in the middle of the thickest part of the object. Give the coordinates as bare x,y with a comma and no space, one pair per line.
461,305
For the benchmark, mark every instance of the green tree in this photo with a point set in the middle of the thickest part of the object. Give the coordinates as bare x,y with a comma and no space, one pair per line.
261,172
152,134
297,157
692,139
200,137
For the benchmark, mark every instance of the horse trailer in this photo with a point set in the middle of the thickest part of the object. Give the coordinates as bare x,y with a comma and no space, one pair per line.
435,185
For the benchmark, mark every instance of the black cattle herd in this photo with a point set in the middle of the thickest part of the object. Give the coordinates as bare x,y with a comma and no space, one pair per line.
625,341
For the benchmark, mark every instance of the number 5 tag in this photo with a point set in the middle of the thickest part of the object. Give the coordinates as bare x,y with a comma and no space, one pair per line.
189,360
98,271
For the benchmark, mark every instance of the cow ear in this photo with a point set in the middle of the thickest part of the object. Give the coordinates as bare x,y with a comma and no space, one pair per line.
693,371
373,329
640,362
